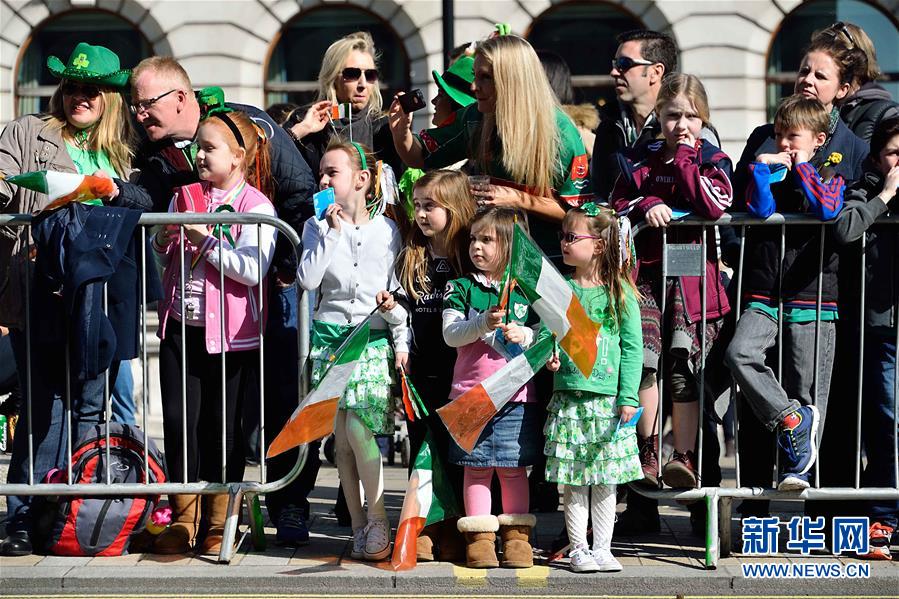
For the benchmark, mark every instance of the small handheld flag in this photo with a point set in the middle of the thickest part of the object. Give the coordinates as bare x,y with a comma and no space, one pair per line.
63,188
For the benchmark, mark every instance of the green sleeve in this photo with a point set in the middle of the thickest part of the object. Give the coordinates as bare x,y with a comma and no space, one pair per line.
574,186
630,369
448,144
454,297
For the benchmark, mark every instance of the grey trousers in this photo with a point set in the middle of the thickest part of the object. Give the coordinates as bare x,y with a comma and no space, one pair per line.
771,401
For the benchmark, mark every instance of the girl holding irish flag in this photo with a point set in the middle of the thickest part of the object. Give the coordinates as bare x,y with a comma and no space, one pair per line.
587,449
349,257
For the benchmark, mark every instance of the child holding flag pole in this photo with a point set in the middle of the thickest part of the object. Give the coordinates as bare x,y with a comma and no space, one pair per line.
586,452
349,257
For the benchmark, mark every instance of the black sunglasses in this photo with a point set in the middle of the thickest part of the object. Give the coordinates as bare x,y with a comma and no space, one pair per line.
77,89
354,73
840,27
623,63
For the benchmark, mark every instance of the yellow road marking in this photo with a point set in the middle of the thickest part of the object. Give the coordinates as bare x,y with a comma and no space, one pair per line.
472,577
533,577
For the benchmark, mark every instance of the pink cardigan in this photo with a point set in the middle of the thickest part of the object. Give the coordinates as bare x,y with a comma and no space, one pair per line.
242,312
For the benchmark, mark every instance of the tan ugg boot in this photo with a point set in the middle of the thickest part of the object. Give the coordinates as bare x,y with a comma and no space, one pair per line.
450,542
215,508
179,537
515,533
480,535
427,542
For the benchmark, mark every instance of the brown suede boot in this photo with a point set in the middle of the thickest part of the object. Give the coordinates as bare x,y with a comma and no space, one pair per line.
480,535
427,542
215,509
515,533
179,537
451,542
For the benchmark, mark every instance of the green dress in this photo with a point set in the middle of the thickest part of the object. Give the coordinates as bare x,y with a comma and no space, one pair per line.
582,445
367,393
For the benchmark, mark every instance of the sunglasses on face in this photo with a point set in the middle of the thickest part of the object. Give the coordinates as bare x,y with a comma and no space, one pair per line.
623,63
76,89
354,73
565,237
145,105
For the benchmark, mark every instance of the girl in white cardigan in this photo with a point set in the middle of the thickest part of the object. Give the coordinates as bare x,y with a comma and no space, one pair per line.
349,257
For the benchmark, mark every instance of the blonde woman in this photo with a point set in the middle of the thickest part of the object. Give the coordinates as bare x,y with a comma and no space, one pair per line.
349,75
86,131
515,133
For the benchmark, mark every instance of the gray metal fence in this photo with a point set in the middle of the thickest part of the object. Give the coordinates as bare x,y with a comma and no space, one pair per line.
238,491
678,263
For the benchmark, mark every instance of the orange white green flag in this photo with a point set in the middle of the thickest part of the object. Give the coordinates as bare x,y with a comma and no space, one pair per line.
467,415
62,188
314,418
430,498
554,301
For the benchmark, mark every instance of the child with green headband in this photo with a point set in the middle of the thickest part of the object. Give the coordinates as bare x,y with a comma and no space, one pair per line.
349,257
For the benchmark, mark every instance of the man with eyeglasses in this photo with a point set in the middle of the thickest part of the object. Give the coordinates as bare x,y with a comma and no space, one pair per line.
642,60
164,104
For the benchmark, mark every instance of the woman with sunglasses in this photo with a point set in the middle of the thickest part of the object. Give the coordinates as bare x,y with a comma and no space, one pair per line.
87,130
867,103
348,78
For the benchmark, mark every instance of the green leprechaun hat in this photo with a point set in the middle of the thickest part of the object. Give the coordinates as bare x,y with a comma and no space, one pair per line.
91,64
456,81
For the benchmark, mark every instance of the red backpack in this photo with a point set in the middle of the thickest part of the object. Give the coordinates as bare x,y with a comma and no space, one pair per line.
93,526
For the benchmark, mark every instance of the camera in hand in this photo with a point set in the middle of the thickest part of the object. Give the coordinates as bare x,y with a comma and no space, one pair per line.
412,101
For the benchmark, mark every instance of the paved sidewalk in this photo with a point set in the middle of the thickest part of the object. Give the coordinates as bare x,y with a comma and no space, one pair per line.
664,564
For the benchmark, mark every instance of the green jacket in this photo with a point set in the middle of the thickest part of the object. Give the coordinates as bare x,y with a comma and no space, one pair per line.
619,361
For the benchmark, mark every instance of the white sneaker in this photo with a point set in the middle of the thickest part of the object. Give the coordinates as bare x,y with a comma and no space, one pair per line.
377,540
605,561
358,551
581,560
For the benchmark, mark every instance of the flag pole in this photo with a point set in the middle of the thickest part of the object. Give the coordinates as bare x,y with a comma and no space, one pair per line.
340,348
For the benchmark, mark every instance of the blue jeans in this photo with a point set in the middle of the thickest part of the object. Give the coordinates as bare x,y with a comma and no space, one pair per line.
48,421
281,399
123,408
878,426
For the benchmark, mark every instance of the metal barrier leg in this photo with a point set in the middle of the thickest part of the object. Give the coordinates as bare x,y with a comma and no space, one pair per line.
235,498
711,531
725,529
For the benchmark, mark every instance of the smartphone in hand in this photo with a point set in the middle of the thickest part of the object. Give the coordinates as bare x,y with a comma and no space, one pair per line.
412,101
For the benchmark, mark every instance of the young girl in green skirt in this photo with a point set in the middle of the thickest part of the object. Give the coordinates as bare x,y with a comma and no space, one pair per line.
349,258
586,450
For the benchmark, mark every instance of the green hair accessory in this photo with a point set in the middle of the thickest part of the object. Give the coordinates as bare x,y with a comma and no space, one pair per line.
361,155
590,209
503,29
212,101
407,185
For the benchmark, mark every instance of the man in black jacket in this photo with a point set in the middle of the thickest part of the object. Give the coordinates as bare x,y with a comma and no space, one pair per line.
165,105
641,62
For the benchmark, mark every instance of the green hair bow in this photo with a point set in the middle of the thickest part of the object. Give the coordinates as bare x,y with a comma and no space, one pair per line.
590,209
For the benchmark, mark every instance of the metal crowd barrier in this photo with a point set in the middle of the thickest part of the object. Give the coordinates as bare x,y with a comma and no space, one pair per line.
237,490
676,263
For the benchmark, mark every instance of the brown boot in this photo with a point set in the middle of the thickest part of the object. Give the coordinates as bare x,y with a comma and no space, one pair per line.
480,535
515,533
451,542
179,537
215,509
427,541
649,460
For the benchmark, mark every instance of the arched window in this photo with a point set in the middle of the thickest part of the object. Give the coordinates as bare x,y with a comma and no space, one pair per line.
296,57
58,36
796,31
583,33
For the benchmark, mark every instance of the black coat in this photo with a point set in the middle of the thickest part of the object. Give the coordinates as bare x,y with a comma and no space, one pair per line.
610,140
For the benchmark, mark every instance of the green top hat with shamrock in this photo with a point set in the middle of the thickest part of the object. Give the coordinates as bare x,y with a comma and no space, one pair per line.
456,81
91,64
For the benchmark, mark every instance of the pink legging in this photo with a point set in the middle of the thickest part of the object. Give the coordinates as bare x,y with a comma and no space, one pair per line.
512,481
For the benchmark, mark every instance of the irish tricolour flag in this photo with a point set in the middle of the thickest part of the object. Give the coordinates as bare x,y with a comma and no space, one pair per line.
467,415
430,498
555,302
314,418
64,187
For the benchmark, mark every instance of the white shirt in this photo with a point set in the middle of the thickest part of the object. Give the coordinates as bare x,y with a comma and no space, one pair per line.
349,267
